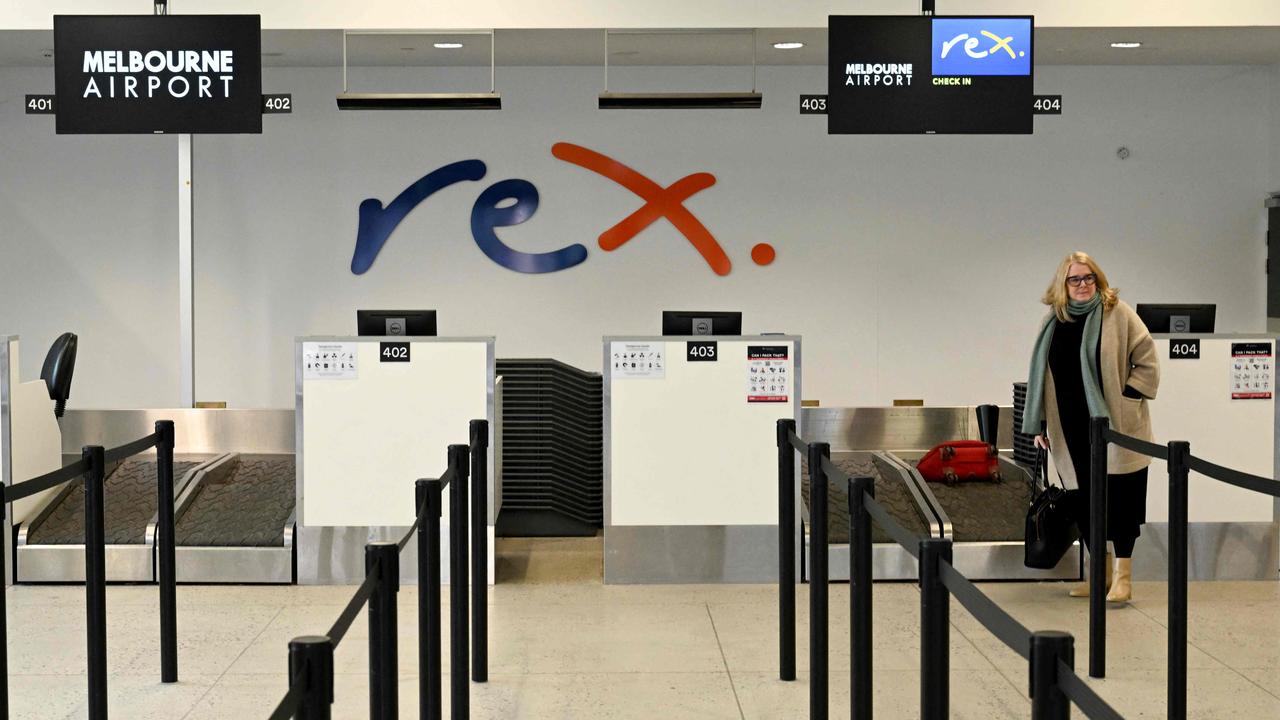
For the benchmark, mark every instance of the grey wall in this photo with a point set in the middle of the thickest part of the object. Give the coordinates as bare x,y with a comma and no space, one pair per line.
911,265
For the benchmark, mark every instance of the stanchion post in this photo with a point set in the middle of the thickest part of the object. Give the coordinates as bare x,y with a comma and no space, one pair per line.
479,551
311,661
166,562
383,560
860,597
459,640
1098,547
1179,456
1048,702
818,609
4,617
95,580
935,627
786,551
428,493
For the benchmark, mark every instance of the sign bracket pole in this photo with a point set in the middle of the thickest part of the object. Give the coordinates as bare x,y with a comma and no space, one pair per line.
186,274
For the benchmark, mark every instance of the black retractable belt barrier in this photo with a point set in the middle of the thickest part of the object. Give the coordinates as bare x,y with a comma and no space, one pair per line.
479,551
459,687
429,685
166,562
1048,648
1179,454
4,617
1098,569
786,551
383,560
95,580
818,577
860,488
311,667
935,625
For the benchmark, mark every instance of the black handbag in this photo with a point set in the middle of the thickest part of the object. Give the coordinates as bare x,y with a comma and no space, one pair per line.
1050,530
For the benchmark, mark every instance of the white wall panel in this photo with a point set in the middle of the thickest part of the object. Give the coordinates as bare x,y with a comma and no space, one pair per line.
911,265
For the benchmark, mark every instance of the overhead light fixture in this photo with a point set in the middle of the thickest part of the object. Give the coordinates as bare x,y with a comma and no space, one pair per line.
1126,45
788,45
491,100
679,100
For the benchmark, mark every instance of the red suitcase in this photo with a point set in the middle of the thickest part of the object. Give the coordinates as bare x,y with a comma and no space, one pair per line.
960,460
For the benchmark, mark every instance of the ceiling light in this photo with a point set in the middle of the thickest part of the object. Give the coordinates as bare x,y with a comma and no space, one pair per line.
447,45
420,101
788,45
679,101
1126,45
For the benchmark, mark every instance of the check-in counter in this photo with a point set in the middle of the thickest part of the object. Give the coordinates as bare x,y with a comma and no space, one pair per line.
373,415
1218,393
691,464
30,440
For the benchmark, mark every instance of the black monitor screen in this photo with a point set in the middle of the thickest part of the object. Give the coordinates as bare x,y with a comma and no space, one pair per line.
1178,318
922,74
701,322
167,73
396,322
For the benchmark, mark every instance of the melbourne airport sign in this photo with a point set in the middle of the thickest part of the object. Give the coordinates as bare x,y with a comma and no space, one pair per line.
148,74
514,201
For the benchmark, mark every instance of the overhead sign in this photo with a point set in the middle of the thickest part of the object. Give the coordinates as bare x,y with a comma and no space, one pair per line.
150,74
921,74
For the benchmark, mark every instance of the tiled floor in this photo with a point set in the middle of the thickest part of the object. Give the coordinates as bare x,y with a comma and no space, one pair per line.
573,648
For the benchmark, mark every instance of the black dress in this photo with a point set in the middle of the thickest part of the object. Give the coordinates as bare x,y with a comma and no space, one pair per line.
1127,492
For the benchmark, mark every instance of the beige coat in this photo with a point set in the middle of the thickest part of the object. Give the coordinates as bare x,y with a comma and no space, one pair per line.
1128,357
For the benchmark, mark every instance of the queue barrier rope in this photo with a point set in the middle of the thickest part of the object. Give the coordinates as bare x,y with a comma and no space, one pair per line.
1083,696
310,690
1248,481
1128,442
49,480
130,449
993,617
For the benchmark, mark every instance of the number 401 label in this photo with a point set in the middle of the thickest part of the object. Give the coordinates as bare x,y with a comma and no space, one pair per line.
39,105
393,352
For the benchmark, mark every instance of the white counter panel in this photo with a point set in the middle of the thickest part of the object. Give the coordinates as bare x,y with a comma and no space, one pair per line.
365,440
688,448
1194,404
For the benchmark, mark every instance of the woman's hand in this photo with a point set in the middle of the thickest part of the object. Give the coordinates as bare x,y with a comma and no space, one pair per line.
1042,441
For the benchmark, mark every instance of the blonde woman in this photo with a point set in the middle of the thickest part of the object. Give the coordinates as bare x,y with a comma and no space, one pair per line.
1094,357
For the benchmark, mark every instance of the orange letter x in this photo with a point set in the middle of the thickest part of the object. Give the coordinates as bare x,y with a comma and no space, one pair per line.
659,202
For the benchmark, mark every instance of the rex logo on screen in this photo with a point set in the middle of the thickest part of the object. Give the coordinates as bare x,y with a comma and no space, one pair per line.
513,201
981,46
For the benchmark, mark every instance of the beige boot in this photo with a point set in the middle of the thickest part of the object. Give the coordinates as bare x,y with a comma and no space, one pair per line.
1082,590
1122,588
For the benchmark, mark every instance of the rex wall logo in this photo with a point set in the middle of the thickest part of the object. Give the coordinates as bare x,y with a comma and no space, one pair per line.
981,46
494,209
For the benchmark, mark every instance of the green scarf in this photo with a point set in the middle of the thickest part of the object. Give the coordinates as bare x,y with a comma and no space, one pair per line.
1091,309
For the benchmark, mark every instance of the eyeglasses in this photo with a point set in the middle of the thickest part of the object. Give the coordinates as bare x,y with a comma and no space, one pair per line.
1078,280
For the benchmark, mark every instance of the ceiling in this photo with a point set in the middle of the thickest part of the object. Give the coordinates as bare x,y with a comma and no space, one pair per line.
515,48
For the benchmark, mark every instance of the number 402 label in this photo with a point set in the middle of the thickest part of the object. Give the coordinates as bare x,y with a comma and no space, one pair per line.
393,352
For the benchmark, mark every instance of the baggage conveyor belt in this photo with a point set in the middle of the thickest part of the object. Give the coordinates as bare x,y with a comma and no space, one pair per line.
235,521
50,548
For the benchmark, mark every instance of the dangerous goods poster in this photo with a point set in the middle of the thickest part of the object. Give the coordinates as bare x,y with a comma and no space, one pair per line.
768,374
1251,376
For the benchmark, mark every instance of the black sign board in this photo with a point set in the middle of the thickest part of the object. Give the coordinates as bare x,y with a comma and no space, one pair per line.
393,352
166,73
702,351
1184,348
929,74
813,104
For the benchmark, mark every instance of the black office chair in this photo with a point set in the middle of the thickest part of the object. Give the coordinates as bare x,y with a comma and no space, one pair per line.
59,365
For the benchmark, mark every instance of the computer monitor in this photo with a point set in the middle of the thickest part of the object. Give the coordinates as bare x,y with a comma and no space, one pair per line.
396,322
1178,318
701,322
